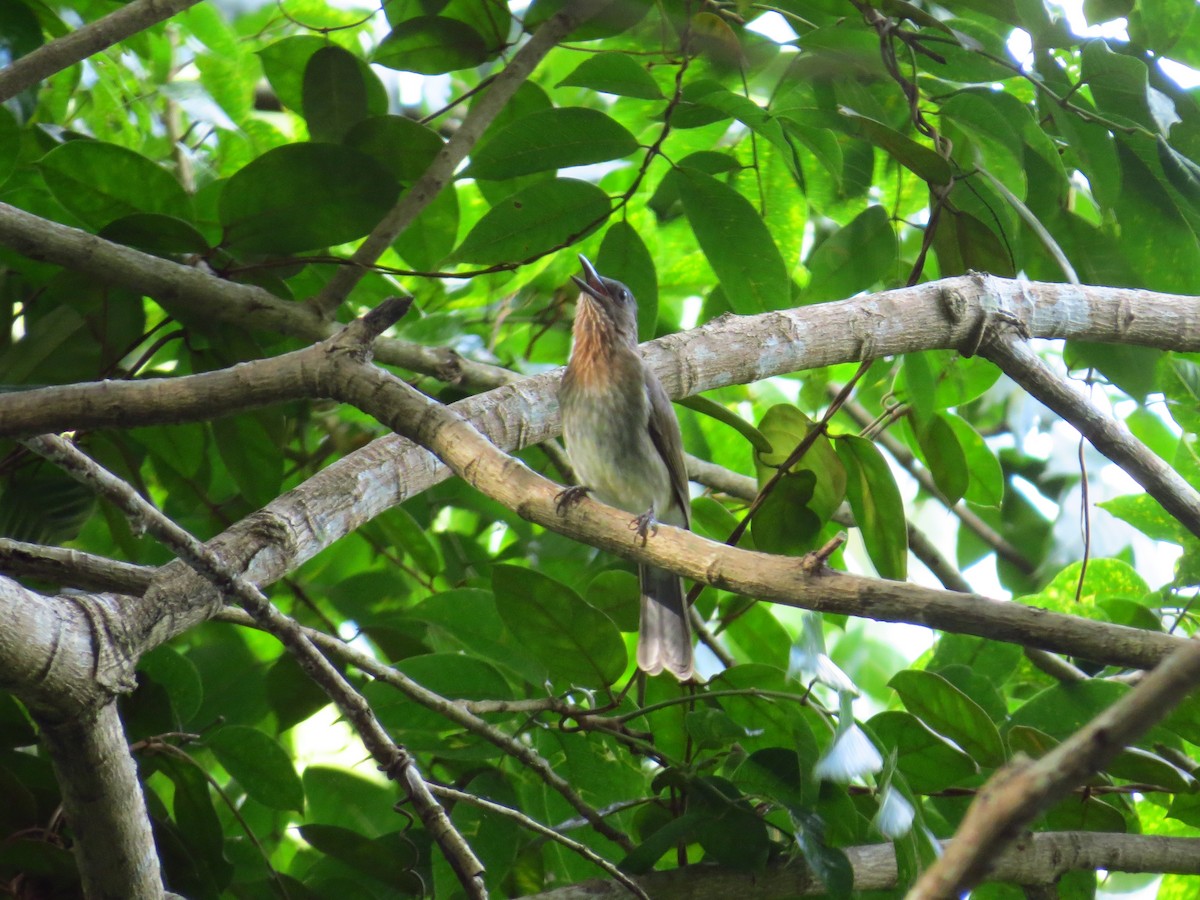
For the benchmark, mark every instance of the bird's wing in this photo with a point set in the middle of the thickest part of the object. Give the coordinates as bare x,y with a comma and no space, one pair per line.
664,432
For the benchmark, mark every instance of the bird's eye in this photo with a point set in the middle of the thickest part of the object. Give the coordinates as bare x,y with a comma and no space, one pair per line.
623,295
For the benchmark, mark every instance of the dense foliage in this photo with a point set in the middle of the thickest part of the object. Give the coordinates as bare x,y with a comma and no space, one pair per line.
714,170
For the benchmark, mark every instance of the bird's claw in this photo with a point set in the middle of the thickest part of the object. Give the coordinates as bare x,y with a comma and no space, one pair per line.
644,525
568,497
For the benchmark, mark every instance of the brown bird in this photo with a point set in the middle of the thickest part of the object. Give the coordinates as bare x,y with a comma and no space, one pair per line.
623,440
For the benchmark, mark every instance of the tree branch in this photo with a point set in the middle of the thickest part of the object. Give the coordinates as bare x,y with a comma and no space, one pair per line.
393,759
103,801
81,43
1106,434
1036,859
1016,794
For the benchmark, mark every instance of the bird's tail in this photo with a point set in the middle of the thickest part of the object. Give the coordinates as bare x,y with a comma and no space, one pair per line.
664,638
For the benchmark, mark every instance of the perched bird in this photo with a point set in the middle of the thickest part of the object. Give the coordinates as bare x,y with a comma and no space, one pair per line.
623,440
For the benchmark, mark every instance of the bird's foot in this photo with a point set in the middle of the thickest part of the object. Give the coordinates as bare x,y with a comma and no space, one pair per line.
568,497
645,525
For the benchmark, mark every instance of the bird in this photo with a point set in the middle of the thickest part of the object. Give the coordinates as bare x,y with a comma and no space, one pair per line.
624,443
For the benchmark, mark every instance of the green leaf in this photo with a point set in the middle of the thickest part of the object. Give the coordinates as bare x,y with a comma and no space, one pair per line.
785,427
1119,84
715,410
921,160
736,243
10,143
1105,579
624,256
251,455
155,233
404,147
986,487
432,45
853,259
575,641
943,456
1147,515
180,678
100,182
433,233
949,711
877,505
552,139
1063,709
261,766
43,505
614,73
344,194
334,93
534,221
926,759
388,858
407,536
285,61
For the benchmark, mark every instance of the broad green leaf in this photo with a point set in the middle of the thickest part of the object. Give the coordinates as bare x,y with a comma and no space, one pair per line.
1106,578
1159,24
993,660
729,829
43,505
389,858
736,243
575,641
665,201
853,259
195,814
613,593
623,256
155,233
261,766
614,73
1179,380
986,487
943,456
334,94
407,536
1063,709
10,140
950,712
723,414
534,221
432,45
100,182
1133,369
829,863
877,505
251,455
433,234
552,139
1119,84
807,496
404,147
345,193
927,760
285,61
178,676
1146,514
923,161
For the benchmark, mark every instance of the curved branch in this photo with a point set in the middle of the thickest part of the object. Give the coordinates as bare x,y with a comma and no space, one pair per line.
1016,794
81,43
1106,434
1037,859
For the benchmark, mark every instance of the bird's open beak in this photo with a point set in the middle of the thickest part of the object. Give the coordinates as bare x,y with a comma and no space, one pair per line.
590,284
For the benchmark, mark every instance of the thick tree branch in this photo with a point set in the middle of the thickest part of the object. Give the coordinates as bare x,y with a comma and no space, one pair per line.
194,294
81,43
72,568
103,801
392,758
1036,859
1106,434
1016,794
